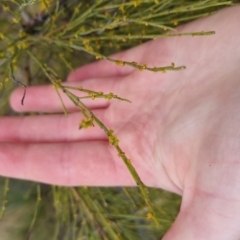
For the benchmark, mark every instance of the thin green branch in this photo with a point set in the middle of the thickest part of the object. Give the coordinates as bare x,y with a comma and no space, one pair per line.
38,200
4,198
63,105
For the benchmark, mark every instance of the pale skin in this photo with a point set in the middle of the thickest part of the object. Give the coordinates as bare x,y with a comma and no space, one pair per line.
181,131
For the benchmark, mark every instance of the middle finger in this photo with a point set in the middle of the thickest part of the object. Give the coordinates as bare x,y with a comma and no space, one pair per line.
49,128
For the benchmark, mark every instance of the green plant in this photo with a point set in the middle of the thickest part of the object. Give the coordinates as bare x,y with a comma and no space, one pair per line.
95,28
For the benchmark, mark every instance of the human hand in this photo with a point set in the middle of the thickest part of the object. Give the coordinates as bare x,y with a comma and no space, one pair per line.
181,131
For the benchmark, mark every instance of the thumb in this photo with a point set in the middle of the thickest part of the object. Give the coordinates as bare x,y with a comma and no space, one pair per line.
206,217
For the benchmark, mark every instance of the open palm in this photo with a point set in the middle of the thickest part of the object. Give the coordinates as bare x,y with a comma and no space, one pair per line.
181,131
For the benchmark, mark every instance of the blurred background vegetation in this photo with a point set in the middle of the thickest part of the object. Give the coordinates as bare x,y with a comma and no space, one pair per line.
63,35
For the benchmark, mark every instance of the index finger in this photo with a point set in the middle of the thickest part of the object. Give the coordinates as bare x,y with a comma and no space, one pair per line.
105,68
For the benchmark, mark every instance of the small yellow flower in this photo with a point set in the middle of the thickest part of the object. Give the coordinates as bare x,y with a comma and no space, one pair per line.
175,22
149,216
86,123
5,8
113,140
2,36
15,20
